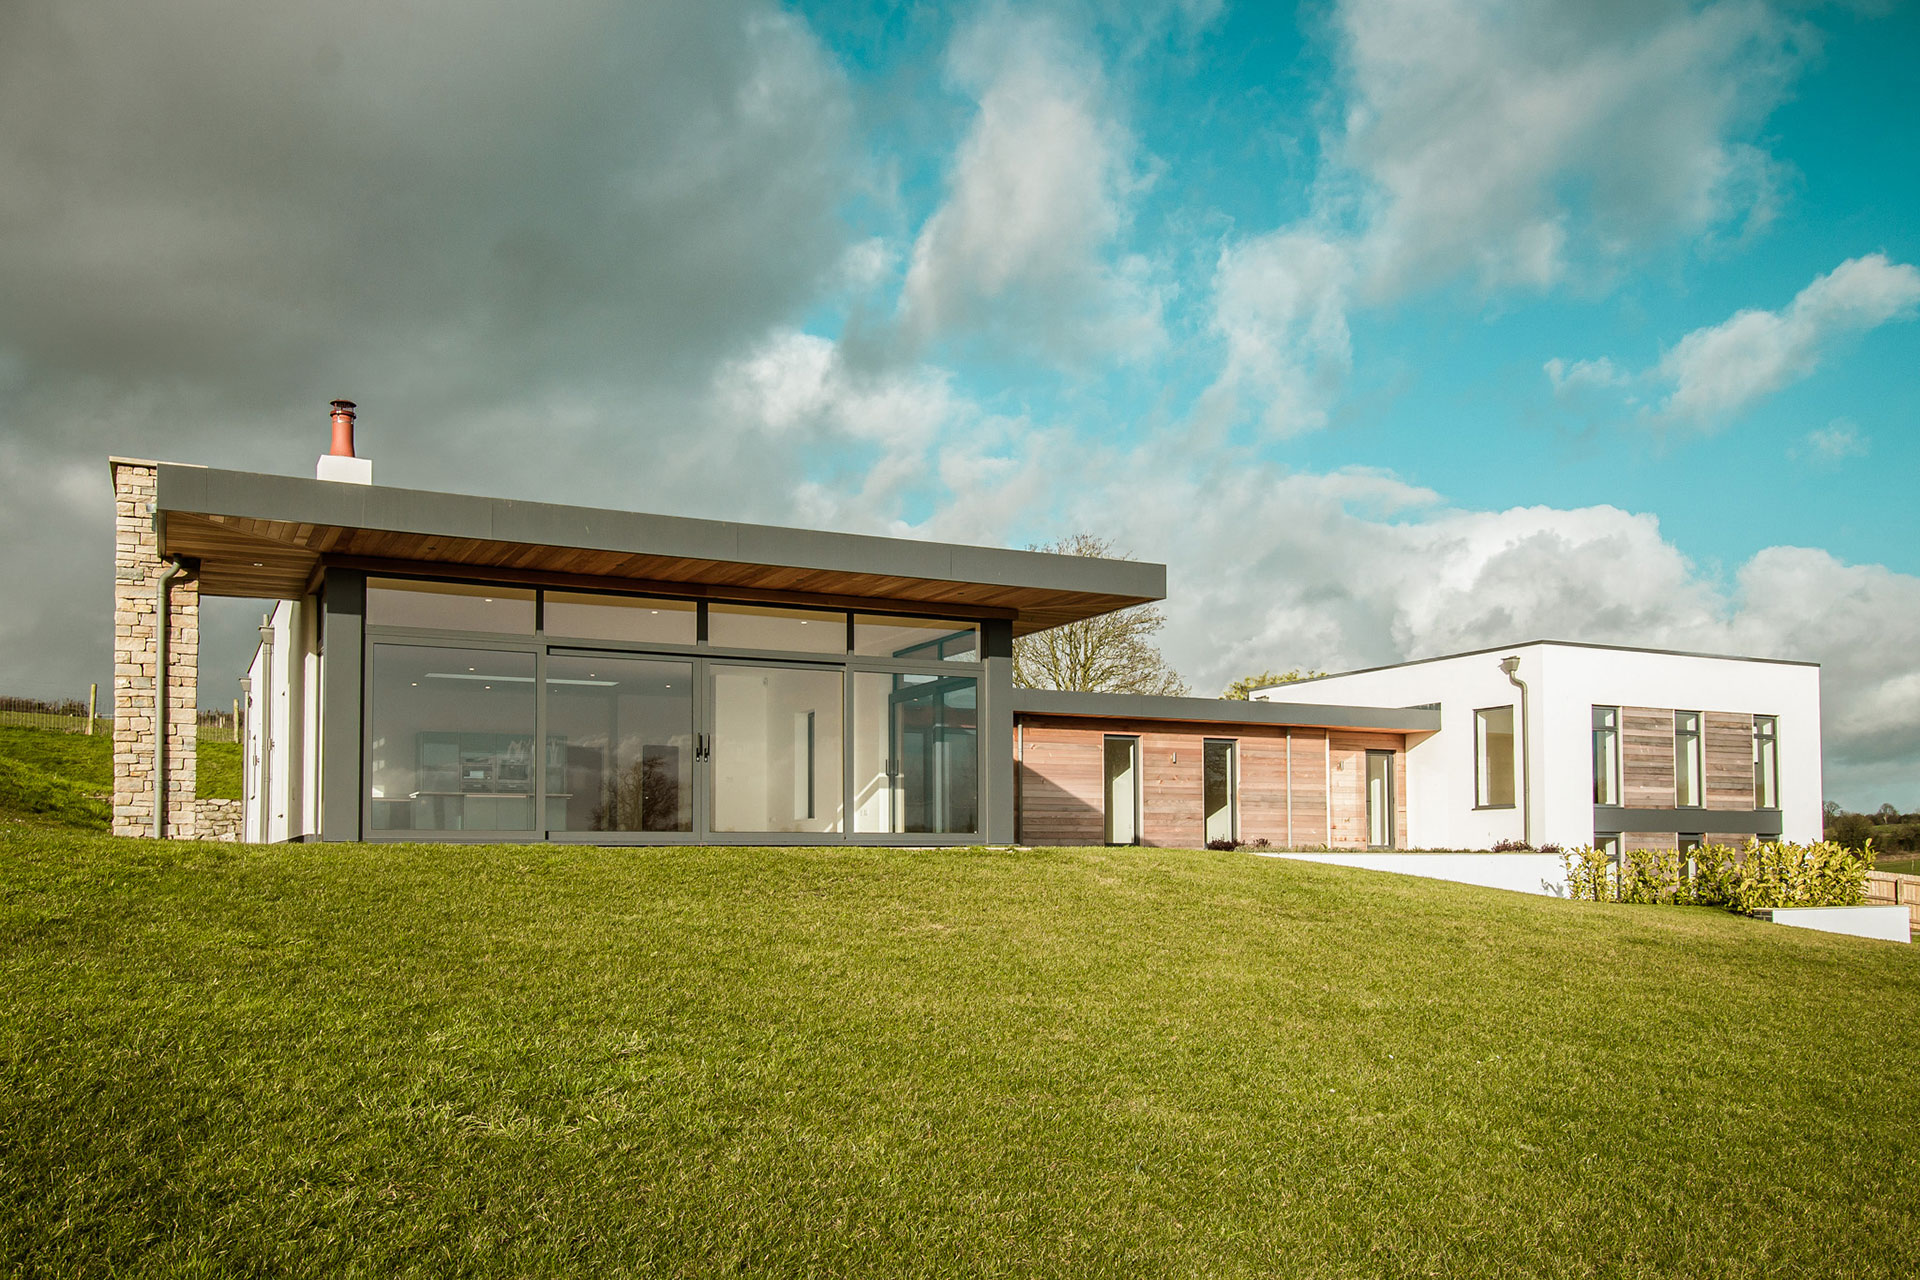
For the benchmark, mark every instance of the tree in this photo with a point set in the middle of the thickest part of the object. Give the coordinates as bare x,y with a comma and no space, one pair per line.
1242,689
1850,829
1886,813
1113,653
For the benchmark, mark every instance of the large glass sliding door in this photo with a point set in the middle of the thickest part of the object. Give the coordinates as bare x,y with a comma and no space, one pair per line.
450,740
620,743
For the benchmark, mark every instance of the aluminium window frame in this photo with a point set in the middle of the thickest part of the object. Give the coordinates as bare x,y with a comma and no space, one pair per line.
540,643
1479,757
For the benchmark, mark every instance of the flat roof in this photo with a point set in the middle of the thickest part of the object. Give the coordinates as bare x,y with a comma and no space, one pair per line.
269,536
1528,644
1140,706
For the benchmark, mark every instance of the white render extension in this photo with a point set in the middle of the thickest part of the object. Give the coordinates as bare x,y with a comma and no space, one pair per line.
1726,733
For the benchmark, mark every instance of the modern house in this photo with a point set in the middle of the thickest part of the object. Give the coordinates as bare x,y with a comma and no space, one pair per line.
1575,744
447,667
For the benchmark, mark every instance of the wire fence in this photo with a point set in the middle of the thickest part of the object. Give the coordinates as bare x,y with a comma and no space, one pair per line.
69,715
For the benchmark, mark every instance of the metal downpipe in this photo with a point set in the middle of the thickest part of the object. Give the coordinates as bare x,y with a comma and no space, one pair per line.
1511,665
161,625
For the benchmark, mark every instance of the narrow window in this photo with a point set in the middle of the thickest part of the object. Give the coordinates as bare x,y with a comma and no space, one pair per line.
1686,759
1123,790
1606,755
1380,799
1607,845
1766,762
1493,757
1218,786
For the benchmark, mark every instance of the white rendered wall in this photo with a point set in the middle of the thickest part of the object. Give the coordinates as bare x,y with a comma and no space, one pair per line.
1440,778
1565,683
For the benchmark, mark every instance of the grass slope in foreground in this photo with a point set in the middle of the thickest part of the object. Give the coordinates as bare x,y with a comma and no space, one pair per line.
441,1060
50,778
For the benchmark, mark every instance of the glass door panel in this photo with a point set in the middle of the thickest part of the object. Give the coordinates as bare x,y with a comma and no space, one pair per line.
1123,790
1218,787
450,739
916,754
775,758
1380,799
620,743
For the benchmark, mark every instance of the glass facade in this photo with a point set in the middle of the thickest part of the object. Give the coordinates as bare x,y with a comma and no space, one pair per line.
620,741
449,606
747,626
450,740
916,753
630,618
641,735
1493,757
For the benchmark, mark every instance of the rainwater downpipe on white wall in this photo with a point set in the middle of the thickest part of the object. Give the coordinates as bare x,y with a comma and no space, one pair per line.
161,624
266,729
1511,665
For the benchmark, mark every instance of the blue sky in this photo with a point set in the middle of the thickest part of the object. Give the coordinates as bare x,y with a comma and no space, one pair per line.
1393,327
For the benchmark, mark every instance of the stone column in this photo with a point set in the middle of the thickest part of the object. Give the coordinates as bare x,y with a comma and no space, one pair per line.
136,572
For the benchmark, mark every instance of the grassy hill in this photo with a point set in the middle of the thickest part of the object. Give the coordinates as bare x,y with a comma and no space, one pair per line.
318,1059
66,779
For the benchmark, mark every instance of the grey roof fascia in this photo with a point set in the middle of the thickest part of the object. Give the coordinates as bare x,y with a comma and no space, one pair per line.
250,495
1528,644
1140,706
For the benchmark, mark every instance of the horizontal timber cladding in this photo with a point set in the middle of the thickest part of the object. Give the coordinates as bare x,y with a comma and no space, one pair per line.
1282,793
1650,841
1729,752
1731,839
1646,749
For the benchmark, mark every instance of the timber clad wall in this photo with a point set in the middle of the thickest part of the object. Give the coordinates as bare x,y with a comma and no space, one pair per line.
1729,752
1283,794
1646,757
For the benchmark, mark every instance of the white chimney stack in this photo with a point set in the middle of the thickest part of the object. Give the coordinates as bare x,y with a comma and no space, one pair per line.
339,462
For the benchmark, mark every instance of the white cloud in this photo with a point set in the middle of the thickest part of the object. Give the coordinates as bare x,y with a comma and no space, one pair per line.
1280,304
1024,250
1835,442
1584,374
1491,138
1719,370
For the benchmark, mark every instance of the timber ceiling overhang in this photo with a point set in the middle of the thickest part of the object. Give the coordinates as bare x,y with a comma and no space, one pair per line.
271,537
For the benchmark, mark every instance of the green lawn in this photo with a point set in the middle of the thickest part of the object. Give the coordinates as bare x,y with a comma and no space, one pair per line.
66,779
324,1059
1906,864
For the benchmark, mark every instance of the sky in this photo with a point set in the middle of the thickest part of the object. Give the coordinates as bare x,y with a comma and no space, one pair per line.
1393,327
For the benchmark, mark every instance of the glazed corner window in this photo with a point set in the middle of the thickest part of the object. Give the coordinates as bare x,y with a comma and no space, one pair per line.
1493,757
449,606
1766,762
1686,759
1606,755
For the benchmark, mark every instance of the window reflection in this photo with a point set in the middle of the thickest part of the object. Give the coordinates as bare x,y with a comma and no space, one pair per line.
450,740
620,736
916,754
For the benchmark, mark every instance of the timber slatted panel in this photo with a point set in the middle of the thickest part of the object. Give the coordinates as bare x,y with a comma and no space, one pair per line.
1731,839
1309,788
1282,770
1729,751
1646,757
1650,841
1263,789
1062,787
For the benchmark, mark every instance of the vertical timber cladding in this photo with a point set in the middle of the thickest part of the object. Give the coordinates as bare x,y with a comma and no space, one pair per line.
1309,777
1347,785
1729,751
1283,794
1646,757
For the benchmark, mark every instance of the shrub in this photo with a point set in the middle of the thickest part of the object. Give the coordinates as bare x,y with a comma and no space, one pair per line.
1223,844
1761,876
1513,846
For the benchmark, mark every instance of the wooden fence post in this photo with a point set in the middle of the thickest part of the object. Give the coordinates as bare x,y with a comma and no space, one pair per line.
93,702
